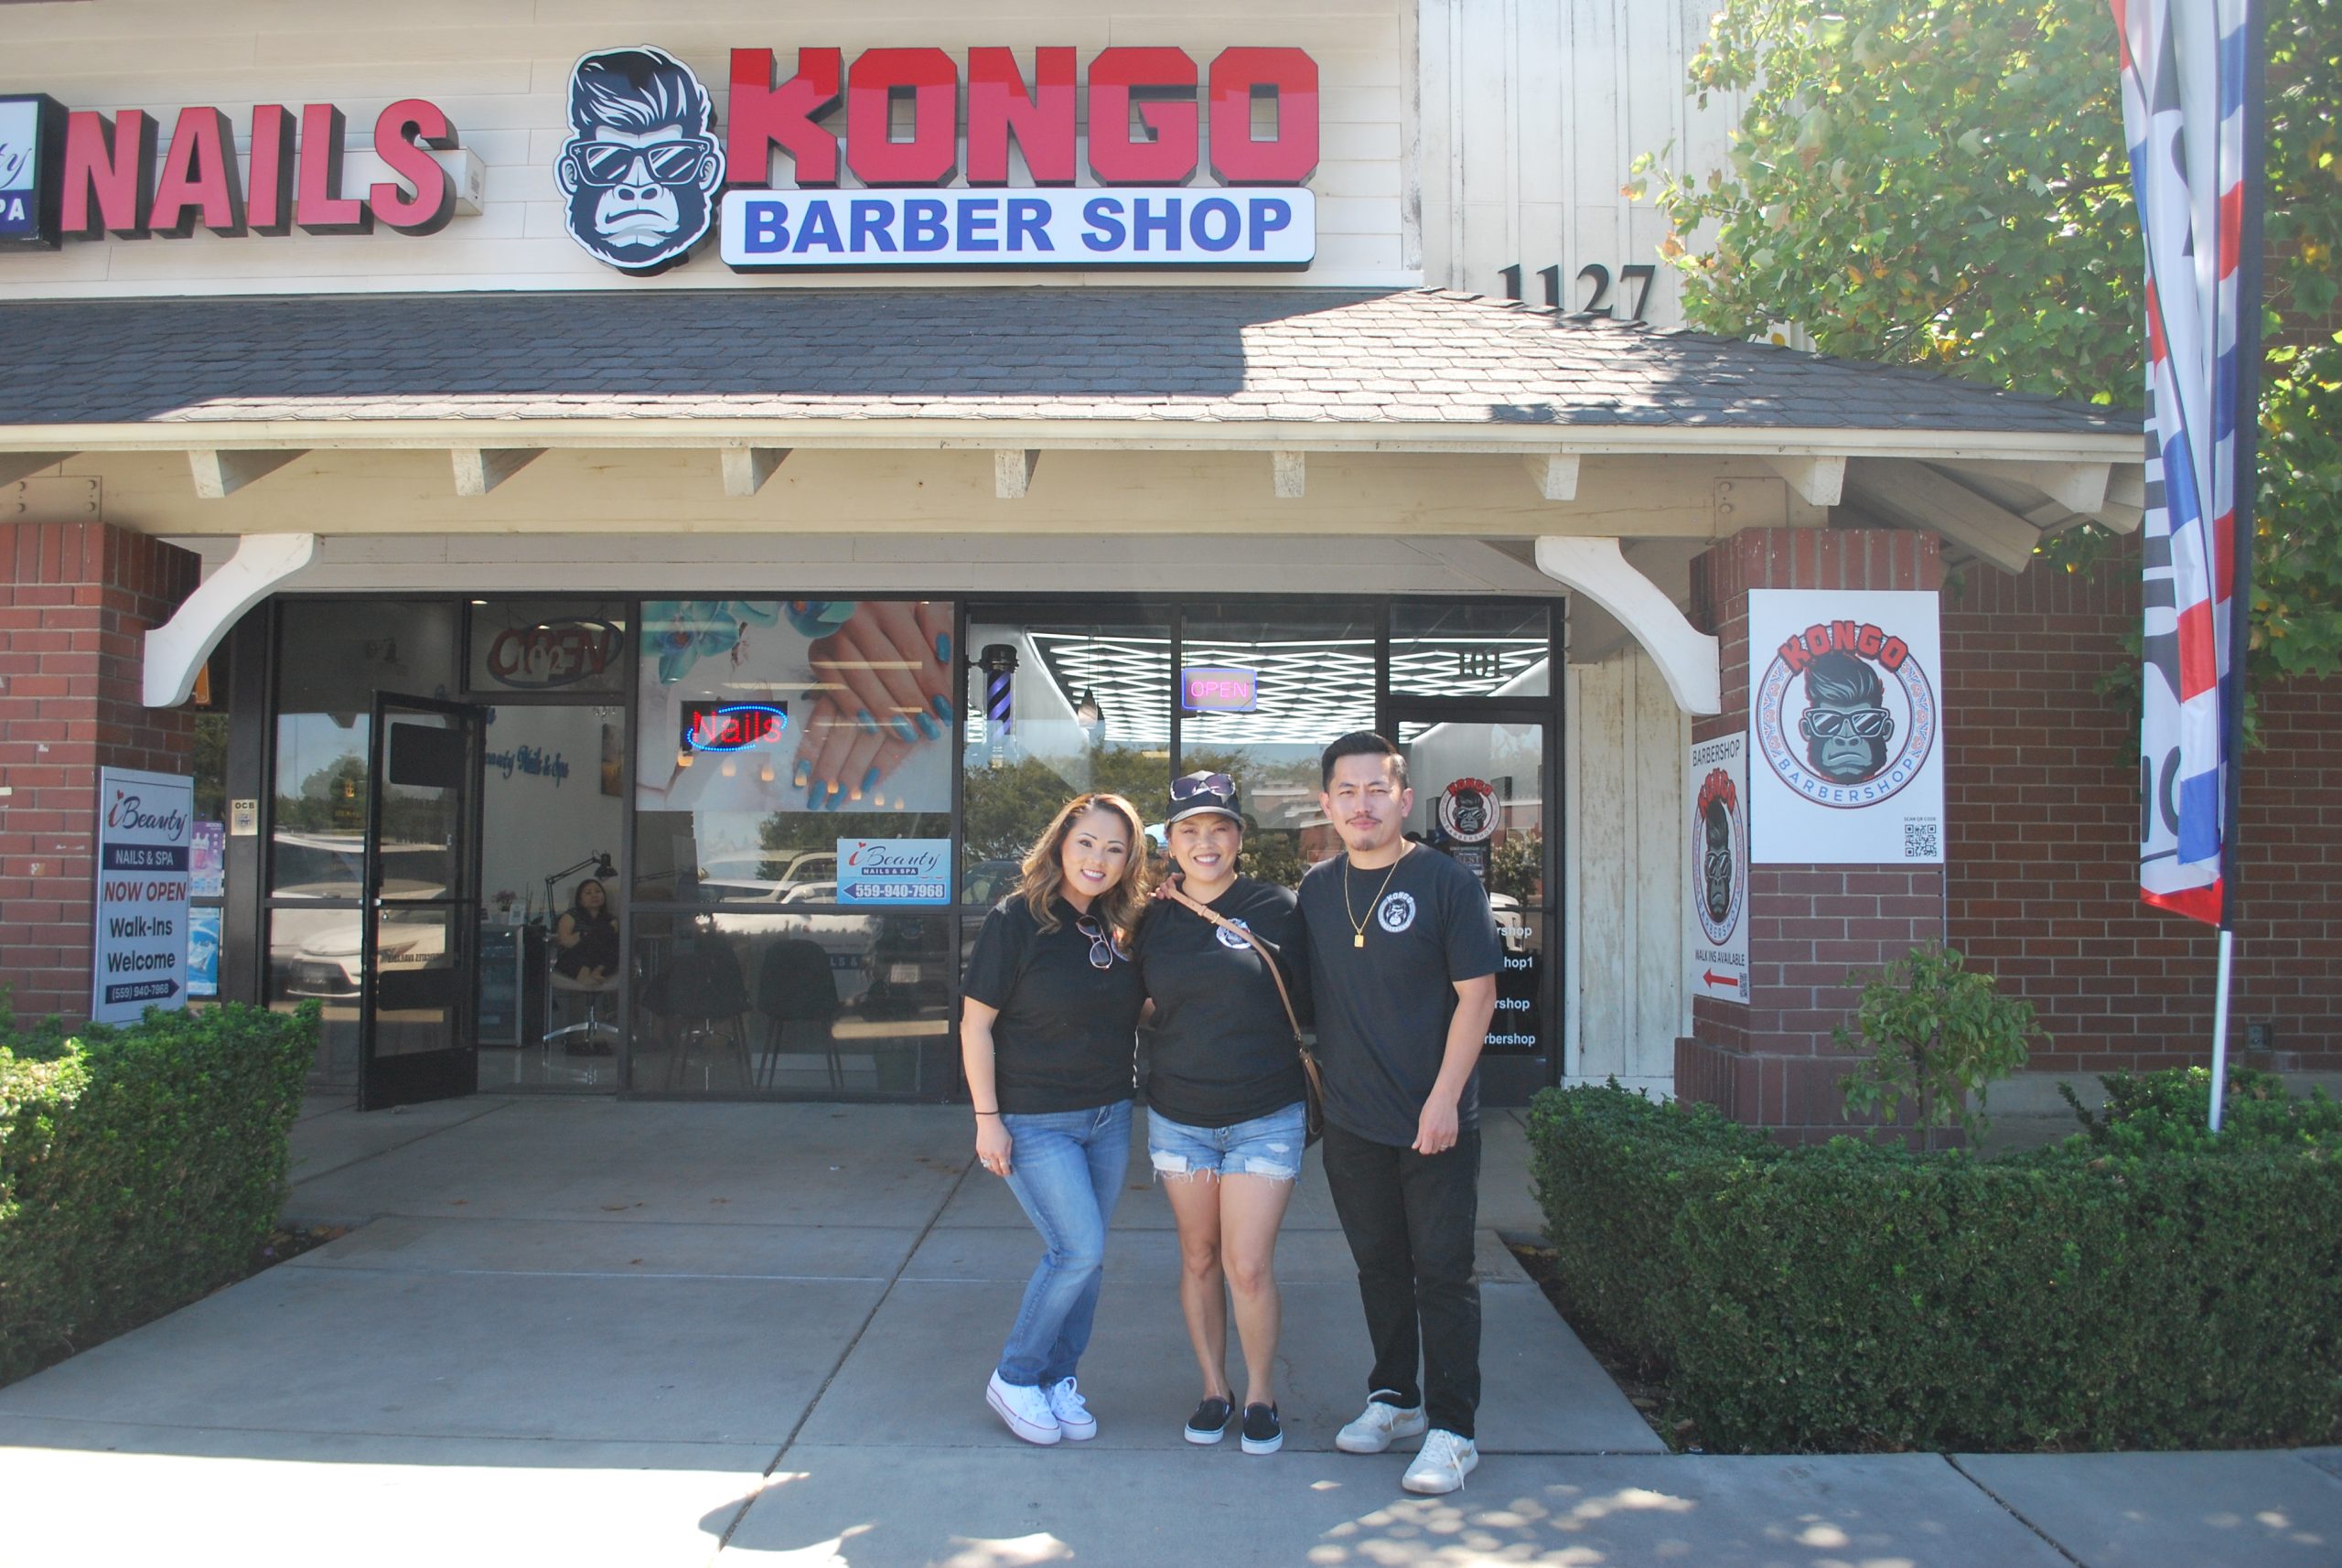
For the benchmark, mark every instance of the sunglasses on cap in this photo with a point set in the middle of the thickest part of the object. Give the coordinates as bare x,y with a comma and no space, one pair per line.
1196,784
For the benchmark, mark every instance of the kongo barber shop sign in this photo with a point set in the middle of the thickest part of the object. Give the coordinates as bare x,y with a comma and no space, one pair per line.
647,175
1845,731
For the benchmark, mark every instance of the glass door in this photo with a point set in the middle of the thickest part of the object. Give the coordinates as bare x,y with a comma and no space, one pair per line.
1481,797
418,926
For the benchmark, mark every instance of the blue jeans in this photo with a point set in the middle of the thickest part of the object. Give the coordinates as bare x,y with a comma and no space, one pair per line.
1065,1167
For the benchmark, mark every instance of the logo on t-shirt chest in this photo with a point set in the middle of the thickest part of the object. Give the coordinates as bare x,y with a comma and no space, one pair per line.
1396,913
1228,938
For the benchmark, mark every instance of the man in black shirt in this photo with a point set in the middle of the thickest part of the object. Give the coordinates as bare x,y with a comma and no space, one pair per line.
1403,957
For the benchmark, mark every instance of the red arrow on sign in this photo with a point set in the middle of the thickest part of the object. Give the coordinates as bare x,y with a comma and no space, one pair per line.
1713,978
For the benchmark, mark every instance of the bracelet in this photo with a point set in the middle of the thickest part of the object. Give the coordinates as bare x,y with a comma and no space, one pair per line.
987,1113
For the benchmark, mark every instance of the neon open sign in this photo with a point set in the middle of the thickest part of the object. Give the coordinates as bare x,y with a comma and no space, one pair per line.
733,726
1219,689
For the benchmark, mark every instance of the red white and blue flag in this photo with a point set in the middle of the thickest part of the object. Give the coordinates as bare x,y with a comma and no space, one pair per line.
2185,78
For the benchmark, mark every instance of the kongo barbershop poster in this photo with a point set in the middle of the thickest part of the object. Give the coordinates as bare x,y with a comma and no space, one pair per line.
1845,728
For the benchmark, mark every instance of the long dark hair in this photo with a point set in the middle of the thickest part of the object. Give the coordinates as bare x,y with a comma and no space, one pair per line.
577,910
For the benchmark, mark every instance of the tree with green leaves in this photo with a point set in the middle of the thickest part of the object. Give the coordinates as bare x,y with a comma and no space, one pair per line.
1945,183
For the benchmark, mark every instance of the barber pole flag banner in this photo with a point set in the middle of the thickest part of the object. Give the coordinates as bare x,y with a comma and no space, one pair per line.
2185,65
2191,80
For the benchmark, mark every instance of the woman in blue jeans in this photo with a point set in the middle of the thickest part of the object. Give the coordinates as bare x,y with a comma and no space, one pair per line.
1225,1122
1049,1037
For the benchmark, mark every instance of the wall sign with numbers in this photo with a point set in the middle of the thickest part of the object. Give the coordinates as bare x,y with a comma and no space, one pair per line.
1631,301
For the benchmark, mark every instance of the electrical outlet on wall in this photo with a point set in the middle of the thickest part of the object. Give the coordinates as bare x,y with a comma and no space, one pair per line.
2261,1036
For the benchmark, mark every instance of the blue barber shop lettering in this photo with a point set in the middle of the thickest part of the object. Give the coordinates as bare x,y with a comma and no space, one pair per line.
1153,227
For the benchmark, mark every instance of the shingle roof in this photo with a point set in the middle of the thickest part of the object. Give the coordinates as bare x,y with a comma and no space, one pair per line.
1419,357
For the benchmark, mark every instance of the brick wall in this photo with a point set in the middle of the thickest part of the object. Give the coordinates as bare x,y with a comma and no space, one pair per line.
1772,1062
75,600
2042,796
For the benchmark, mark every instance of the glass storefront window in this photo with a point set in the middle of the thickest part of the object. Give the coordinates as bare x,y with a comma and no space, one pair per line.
1294,678
1058,709
1450,648
733,1001
335,655
768,729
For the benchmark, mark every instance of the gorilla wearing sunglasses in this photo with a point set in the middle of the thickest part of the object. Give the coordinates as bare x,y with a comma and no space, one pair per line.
641,165
1845,728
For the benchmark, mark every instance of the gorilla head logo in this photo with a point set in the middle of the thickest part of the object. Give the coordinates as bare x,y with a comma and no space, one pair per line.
1845,728
1715,864
641,164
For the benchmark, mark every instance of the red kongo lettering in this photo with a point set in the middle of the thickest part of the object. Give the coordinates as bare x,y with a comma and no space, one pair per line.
1867,644
1146,77
932,82
764,116
1239,76
1892,654
1042,121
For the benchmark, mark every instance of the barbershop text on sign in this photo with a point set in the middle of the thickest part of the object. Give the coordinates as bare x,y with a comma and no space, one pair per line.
145,825
1152,226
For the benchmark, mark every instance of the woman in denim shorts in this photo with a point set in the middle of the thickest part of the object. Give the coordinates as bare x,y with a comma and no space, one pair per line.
1224,1109
1049,1039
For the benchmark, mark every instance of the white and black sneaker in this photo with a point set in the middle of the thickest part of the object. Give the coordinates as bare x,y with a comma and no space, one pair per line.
1026,1410
1210,1424
1264,1432
1380,1424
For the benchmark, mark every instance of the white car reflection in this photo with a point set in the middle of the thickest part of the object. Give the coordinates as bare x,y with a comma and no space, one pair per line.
1512,926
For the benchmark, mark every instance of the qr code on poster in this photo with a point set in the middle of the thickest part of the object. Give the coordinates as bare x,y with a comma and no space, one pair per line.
1922,839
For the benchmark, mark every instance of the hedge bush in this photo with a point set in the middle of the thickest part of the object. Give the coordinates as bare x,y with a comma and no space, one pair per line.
2108,1292
140,1167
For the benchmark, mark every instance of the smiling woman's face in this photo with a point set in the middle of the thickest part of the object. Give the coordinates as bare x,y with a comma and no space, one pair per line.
1205,845
1096,850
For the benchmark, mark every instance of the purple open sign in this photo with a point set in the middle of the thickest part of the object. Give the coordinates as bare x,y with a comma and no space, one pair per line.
1219,689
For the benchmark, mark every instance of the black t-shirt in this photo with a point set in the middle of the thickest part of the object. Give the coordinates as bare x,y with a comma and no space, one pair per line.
1223,1052
1383,1009
1067,1037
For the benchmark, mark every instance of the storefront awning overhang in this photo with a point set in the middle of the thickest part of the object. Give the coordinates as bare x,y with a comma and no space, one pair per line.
1034,411
248,387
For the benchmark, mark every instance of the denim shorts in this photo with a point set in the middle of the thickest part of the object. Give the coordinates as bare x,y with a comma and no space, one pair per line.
1267,1146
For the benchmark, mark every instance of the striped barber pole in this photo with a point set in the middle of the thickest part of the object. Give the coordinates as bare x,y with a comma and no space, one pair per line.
2191,82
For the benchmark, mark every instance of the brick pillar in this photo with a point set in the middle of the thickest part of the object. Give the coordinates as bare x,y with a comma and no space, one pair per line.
75,603
1773,1063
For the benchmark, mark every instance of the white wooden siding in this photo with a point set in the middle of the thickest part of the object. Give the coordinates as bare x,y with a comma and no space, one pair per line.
1534,113
1623,1005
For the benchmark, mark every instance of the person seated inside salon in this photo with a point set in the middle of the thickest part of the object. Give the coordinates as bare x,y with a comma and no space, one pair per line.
586,939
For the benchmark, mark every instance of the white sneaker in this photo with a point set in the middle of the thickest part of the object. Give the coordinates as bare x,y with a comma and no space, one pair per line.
1378,1425
1443,1463
1026,1410
1073,1414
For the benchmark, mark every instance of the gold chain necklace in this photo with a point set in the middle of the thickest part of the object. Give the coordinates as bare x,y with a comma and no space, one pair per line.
1358,926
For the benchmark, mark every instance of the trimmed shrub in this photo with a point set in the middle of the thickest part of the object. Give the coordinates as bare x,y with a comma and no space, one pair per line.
140,1167
1862,1296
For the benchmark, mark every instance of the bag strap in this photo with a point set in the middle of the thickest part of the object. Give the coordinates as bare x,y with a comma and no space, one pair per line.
1172,891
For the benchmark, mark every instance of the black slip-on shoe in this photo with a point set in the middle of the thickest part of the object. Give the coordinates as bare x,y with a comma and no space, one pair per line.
1210,1424
1264,1432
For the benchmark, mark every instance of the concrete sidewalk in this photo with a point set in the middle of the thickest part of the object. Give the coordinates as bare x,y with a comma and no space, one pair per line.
583,1332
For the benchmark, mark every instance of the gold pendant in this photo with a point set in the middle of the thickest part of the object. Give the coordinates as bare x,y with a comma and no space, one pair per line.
1358,939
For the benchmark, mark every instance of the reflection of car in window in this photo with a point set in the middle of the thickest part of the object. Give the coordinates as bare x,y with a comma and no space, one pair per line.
317,951
990,881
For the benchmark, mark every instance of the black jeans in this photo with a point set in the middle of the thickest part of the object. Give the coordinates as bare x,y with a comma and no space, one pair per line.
1410,1218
